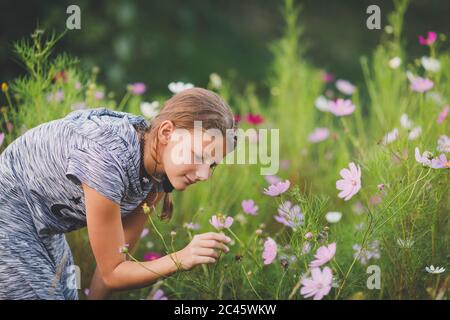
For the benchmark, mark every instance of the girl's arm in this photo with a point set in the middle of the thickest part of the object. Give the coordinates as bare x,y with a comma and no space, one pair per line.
133,225
106,235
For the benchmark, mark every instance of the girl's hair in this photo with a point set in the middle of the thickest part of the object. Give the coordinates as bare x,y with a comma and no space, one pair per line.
185,107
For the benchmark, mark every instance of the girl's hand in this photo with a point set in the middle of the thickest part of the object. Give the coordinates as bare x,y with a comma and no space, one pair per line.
202,249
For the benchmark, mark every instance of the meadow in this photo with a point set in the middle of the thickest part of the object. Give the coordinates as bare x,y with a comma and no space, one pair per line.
360,206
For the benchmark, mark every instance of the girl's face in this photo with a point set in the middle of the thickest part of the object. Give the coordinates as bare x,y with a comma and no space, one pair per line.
186,162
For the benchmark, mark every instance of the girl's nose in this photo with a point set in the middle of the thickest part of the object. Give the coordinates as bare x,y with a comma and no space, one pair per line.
203,171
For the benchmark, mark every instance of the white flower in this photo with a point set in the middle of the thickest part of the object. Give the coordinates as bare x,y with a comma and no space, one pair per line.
443,144
433,270
390,137
345,87
435,97
216,80
148,109
333,216
177,87
411,77
415,133
430,64
322,104
395,62
424,159
405,122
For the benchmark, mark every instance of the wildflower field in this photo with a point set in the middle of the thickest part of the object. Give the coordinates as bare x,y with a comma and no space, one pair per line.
360,206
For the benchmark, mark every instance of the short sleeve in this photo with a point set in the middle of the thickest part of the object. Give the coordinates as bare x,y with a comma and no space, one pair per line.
100,169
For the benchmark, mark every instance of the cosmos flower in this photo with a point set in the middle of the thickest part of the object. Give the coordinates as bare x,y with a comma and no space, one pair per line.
322,103
424,158
405,122
277,189
220,221
137,88
319,285
177,87
270,251
351,182
345,87
290,216
318,135
323,255
364,255
431,38
249,207
327,77
415,133
56,97
430,64
395,62
159,295
149,110
192,226
150,256
440,162
333,216
442,115
390,137
434,270
341,107
254,119
271,179
443,144
420,84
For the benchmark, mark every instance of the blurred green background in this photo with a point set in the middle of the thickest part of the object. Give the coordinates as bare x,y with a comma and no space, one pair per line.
158,42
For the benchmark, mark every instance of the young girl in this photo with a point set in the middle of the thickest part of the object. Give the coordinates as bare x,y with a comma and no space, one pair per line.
96,168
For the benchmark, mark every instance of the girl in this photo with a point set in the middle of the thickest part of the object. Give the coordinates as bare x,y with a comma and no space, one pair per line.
96,168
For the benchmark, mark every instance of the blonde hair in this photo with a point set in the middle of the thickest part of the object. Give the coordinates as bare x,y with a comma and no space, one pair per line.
185,107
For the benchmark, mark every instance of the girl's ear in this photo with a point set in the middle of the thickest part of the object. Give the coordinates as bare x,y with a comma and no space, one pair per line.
165,131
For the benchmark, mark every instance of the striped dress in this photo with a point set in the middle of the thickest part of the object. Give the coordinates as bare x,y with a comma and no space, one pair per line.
41,197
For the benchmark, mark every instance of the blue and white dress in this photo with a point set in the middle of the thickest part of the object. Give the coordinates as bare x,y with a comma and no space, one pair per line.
41,197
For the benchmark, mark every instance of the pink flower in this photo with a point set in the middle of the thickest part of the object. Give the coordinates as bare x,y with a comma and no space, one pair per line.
345,87
432,36
308,235
192,226
318,135
424,159
220,221
271,179
99,95
319,285
381,186
144,232
2,138
249,207
290,216
327,77
443,143
420,84
137,88
254,119
270,251
150,256
277,189
323,255
440,162
159,295
56,97
237,118
341,107
442,115
351,182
